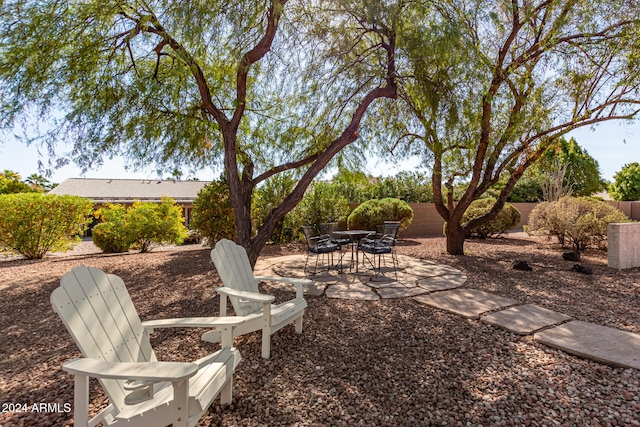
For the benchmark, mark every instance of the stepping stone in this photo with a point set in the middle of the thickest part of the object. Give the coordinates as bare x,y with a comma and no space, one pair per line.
316,289
400,292
600,343
524,319
356,291
428,270
442,283
379,284
469,303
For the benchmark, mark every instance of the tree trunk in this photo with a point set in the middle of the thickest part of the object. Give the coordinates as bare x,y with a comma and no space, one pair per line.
455,238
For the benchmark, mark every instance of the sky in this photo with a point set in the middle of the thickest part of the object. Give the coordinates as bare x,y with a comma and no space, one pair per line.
612,144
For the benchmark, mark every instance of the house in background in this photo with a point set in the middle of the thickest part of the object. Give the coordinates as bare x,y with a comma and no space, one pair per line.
127,191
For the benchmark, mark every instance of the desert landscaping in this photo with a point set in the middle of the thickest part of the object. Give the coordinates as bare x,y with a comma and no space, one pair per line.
392,362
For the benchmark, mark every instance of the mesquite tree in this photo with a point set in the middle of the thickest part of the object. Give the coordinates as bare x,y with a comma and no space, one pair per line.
259,87
490,85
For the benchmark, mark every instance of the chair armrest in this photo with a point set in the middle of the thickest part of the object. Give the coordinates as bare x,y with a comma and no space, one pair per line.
193,322
316,240
146,371
251,296
298,283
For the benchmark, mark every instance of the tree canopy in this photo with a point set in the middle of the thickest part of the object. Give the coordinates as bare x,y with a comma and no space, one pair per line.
488,86
258,87
626,183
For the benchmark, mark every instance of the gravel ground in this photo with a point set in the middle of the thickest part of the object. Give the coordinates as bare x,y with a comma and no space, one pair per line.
384,363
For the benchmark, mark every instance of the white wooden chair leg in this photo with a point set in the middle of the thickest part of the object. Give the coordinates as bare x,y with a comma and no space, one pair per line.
266,331
299,325
181,402
81,400
226,393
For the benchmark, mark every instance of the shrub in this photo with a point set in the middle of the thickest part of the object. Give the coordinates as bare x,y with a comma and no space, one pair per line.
213,215
374,212
33,224
143,225
626,183
508,218
578,222
151,224
321,204
271,194
112,234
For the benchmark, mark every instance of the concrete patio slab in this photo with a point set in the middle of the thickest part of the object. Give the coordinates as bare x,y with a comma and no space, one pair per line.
600,343
401,292
524,319
442,283
470,303
356,291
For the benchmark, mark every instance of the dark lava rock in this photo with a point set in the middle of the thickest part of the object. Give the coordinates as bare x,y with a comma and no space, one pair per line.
521,265
582,269
571,256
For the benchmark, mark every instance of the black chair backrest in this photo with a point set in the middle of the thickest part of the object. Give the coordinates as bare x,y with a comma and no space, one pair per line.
390,229
309,233
328,228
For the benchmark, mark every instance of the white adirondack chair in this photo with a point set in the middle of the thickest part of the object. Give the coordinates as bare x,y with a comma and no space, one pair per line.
241,286
98,312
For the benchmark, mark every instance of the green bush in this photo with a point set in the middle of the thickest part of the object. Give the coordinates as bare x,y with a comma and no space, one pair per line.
578,222
265,198
626,183
112,234
508,218
374,212
142,226
33,224
151,224
212,214
322,203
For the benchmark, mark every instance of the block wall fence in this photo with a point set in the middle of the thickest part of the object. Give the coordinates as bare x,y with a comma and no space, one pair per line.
427,221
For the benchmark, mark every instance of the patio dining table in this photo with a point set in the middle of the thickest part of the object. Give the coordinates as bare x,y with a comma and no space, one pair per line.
354,236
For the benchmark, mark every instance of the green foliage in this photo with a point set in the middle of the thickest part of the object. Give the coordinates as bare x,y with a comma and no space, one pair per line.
268,196
583,172
10,183
112,234
322,203
152,224
527,189
212,214
33,224
578,222
508,218
374,212
412,187
626,183
143,225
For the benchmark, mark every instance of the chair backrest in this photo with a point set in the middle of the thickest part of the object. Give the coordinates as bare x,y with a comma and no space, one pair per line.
328,228
310,235
390,231
97,310
235,270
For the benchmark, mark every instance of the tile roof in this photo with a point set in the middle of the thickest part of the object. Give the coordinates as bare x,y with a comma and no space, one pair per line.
128,190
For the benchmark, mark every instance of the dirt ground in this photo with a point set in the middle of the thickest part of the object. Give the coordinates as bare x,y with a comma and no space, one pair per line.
387,363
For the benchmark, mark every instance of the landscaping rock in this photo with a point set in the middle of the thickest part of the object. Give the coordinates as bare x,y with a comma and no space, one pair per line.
579,268
521,265
571,256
